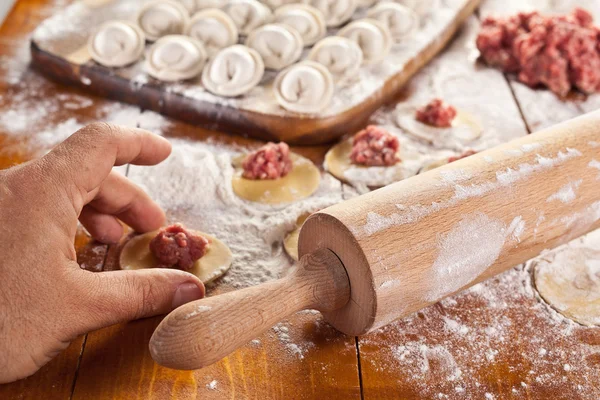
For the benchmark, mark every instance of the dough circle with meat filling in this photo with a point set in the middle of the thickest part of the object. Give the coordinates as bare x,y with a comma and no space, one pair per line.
215,263
301,182
290,243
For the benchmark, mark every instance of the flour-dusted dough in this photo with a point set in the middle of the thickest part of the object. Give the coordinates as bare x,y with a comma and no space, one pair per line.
116,44
274,4
233,71
373,38
338,164
464,130
302,181
196,5
340,55
366,3
569,280
421,7
401,21
136,254
278,44
247,14
214,29
290,242
336,12
306,87
175,57
307,20
161,18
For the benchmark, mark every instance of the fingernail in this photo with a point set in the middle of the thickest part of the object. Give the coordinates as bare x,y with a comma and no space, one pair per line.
187,292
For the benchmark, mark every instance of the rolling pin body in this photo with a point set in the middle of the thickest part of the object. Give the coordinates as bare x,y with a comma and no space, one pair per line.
410,244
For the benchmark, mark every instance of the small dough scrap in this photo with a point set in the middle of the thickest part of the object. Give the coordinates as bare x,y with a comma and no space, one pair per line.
278,44
401,21
117,44
233,71
215,263
290,243
340,55
336,12
568,279
161,18
306,87
338,164
214,29
465,128
175,57
302,181
307,20
247,14
373,38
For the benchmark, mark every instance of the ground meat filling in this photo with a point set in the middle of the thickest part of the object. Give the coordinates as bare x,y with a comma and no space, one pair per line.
375,147
437,113
561,52
177,247
272,161
463,155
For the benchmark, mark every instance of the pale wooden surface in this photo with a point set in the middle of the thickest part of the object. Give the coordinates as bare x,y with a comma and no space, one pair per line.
504,363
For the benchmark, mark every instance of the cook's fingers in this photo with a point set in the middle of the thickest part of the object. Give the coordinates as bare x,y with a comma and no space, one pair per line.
120,197
104,228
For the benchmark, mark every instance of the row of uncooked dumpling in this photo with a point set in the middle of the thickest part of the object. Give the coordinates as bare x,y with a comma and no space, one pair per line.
233,70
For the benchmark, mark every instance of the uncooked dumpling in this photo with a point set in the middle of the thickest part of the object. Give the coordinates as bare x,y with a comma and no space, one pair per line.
340,55
373,38
247,14
214,29
278,44
175,57
116,44
233,71
161,18
366,3
306,87
195,5
307,20
274,4
421,7
336,12
401,21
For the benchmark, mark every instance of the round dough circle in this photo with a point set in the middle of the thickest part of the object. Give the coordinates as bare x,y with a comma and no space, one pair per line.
215,263
175,57
307,20
290,242
465,128
116,44
233,71
338,164
247,14
214,29
336,12
569,280
373,38
278,44
302,181
340,55
161,18
401,21
306,87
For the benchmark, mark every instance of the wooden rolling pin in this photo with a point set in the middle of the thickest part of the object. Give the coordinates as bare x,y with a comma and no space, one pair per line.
378,257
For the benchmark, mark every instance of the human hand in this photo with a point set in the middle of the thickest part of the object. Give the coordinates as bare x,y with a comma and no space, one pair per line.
46,299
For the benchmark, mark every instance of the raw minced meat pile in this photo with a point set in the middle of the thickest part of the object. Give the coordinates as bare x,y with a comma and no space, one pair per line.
271,161
177,247
436,113
559,51
374,147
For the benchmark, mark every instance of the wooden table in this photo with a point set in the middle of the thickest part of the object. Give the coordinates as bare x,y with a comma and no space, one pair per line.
496,341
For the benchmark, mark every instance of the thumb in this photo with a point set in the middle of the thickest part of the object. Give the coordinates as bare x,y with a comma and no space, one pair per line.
120,296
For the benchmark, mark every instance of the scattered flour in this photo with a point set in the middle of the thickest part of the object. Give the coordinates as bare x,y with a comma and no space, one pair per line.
595,164
212,385
567,193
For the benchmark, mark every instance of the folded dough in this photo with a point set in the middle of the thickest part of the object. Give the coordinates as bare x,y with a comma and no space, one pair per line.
214,29
161,18
195,5
341,56
307,20
274,4
117,43
366,3
400,20
278,44
421,7
373,38
233,71
175,57
247,14
306,87
336,12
